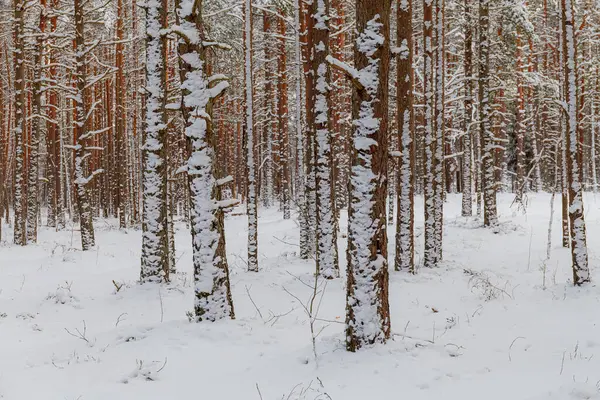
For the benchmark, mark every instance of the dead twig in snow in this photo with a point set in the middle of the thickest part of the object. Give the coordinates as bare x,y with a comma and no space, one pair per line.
511,345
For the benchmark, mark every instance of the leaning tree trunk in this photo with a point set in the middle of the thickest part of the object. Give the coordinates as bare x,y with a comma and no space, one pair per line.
406,126
211,273
367,306
574,173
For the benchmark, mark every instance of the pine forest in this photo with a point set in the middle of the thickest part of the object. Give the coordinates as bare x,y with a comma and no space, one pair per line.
299,199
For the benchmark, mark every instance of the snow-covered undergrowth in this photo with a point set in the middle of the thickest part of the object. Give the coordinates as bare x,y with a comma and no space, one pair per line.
496,321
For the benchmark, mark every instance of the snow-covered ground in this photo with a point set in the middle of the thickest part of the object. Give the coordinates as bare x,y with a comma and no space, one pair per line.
487,324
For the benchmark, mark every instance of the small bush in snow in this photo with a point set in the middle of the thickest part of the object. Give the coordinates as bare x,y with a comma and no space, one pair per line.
147,371
63,295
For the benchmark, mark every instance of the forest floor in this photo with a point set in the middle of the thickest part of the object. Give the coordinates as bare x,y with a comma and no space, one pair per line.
495,321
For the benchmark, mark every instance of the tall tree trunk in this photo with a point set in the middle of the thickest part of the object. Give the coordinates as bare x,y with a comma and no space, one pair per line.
251,167
20,229
439,124
36,127
211,273
579,252
430,255
284,148
120,123
490,217
300,180
467,194
81,133
155,246
367,304
327,253
406,143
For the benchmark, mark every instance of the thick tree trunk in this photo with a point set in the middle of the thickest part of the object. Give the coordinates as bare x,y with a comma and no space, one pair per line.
155,246
367,304
211,273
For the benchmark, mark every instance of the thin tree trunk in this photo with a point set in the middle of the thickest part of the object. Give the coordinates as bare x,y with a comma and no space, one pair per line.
579,252
251,168
20,229
467,194
490,217
406,144
327,253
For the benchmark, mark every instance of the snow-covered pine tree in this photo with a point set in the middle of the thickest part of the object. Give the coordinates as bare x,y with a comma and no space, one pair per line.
250,143
36,128
20,228
439,123
155,246
327,253
490,216
467,182
367,305
81,129
211,273
406,143
300,178
120,118
579,252
430,254
282,121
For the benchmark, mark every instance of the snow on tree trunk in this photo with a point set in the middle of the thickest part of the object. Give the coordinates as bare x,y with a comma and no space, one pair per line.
284,148
439,125
310,161
155,246
251,168
367,306
211,273
579,252
120,122
519,130
20,228
430,255
300,180
406,144
36,127
467,194
80,128
490,217
327,253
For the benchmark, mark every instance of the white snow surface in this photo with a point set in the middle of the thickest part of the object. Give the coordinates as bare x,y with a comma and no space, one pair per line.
496,335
